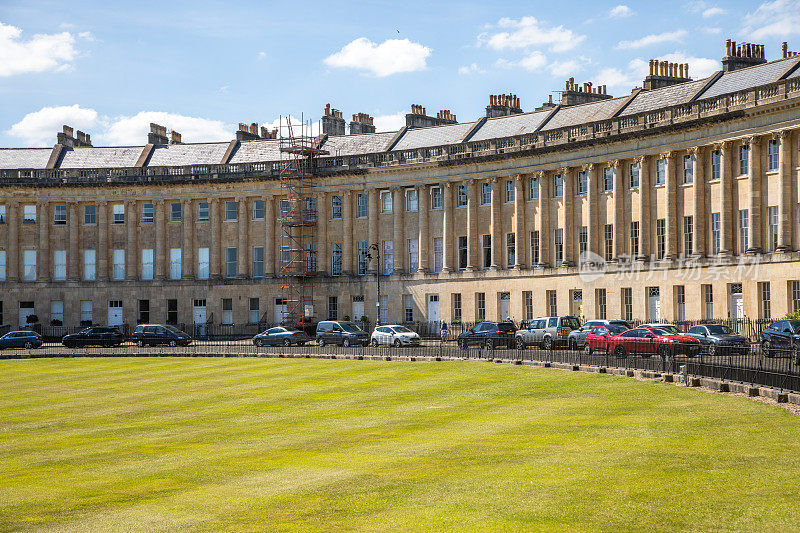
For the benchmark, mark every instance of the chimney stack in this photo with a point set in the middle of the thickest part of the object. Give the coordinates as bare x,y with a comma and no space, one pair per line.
251,132
175,137
79,140
575,94
332,121
361,123
418,118
501,105
742,55
665,73
157,135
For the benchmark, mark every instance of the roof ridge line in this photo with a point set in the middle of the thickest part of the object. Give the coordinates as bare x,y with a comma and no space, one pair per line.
547,118
627,102
55,156
474,129
144,157
396,139
709,82
232,147
791,68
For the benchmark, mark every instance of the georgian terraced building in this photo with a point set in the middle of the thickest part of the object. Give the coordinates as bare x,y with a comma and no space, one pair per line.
685,190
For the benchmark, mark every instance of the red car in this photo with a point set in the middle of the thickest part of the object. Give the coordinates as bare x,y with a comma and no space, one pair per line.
598,338
653,341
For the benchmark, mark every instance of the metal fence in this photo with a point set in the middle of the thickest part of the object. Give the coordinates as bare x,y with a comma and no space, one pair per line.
779,368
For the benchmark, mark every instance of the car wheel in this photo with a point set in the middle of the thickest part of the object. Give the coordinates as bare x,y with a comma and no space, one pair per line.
397,343
28,345
287,342
663,351
321,342
712,349
374,343
587,349
140,343
619,351
520,343
489,345
462,344
548,343
172,344
767,349
346,343
260,343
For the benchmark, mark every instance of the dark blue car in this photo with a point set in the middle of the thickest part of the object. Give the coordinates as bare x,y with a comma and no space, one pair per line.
20,339
782,337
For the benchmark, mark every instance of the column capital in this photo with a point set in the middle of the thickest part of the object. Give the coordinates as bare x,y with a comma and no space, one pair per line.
616,163
720,146
784,134
563,170
447,184
494,179
750,140
641,160
696,150
539,174
666,155
588,167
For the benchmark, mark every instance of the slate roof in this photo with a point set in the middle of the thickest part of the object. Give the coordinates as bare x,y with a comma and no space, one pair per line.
15,158
101,157
581,114
169,155
364,143
739,80
666,96
433,136
256,152
521,124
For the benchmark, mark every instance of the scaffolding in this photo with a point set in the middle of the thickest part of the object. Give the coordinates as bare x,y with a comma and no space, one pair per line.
298,220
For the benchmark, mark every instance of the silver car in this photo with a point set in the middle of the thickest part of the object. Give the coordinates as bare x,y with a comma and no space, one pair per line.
394,336
547,332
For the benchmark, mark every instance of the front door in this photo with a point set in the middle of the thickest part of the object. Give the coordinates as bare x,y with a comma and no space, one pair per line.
358,308
736,306
577,303
653,305
280,311
433,308
114,313
199,317
505,306
25,310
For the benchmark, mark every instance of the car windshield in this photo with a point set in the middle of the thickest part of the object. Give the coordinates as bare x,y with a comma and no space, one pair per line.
402,329
570,322
348,326
795,324
662,331
719,330
616,329
173,329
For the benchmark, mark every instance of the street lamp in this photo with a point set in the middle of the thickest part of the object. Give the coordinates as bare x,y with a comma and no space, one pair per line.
375,246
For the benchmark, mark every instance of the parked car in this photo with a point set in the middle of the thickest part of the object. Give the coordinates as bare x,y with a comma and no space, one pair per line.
394,336
547,332
94,336
669,327
717,339
281,336
646,341
153,334
598,339
489,335
341,333
577,337
782,337
20,339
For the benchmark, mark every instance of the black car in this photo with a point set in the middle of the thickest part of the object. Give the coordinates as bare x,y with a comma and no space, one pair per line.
281,336
94,336
782,338
342,333
489,335
716,339
152,334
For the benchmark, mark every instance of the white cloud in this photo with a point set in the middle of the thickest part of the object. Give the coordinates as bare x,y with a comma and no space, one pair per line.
533,61
40,53
86,36
699,67
779,18
713,12
528,31
564,68
134,129
39,128
390,122
472,68
615,78
390,57
262,55
670,36
712,31
621,11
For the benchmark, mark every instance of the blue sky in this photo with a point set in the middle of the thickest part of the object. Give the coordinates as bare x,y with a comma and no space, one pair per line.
200,67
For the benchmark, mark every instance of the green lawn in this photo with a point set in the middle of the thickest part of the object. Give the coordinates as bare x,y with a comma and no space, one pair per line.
254,444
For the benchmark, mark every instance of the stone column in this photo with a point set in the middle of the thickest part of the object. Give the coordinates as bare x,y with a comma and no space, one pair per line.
13,259
496,225
670,192
242,259
102,241
398,231
374,210
472,225
347,241
448,234
618,199
519,224
323,261
568,224
699,193
423,206
215,220
269,236
132,253
644,208
785,192
726,199
592,231
74,247
545,235
187,254
755,229
44,259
